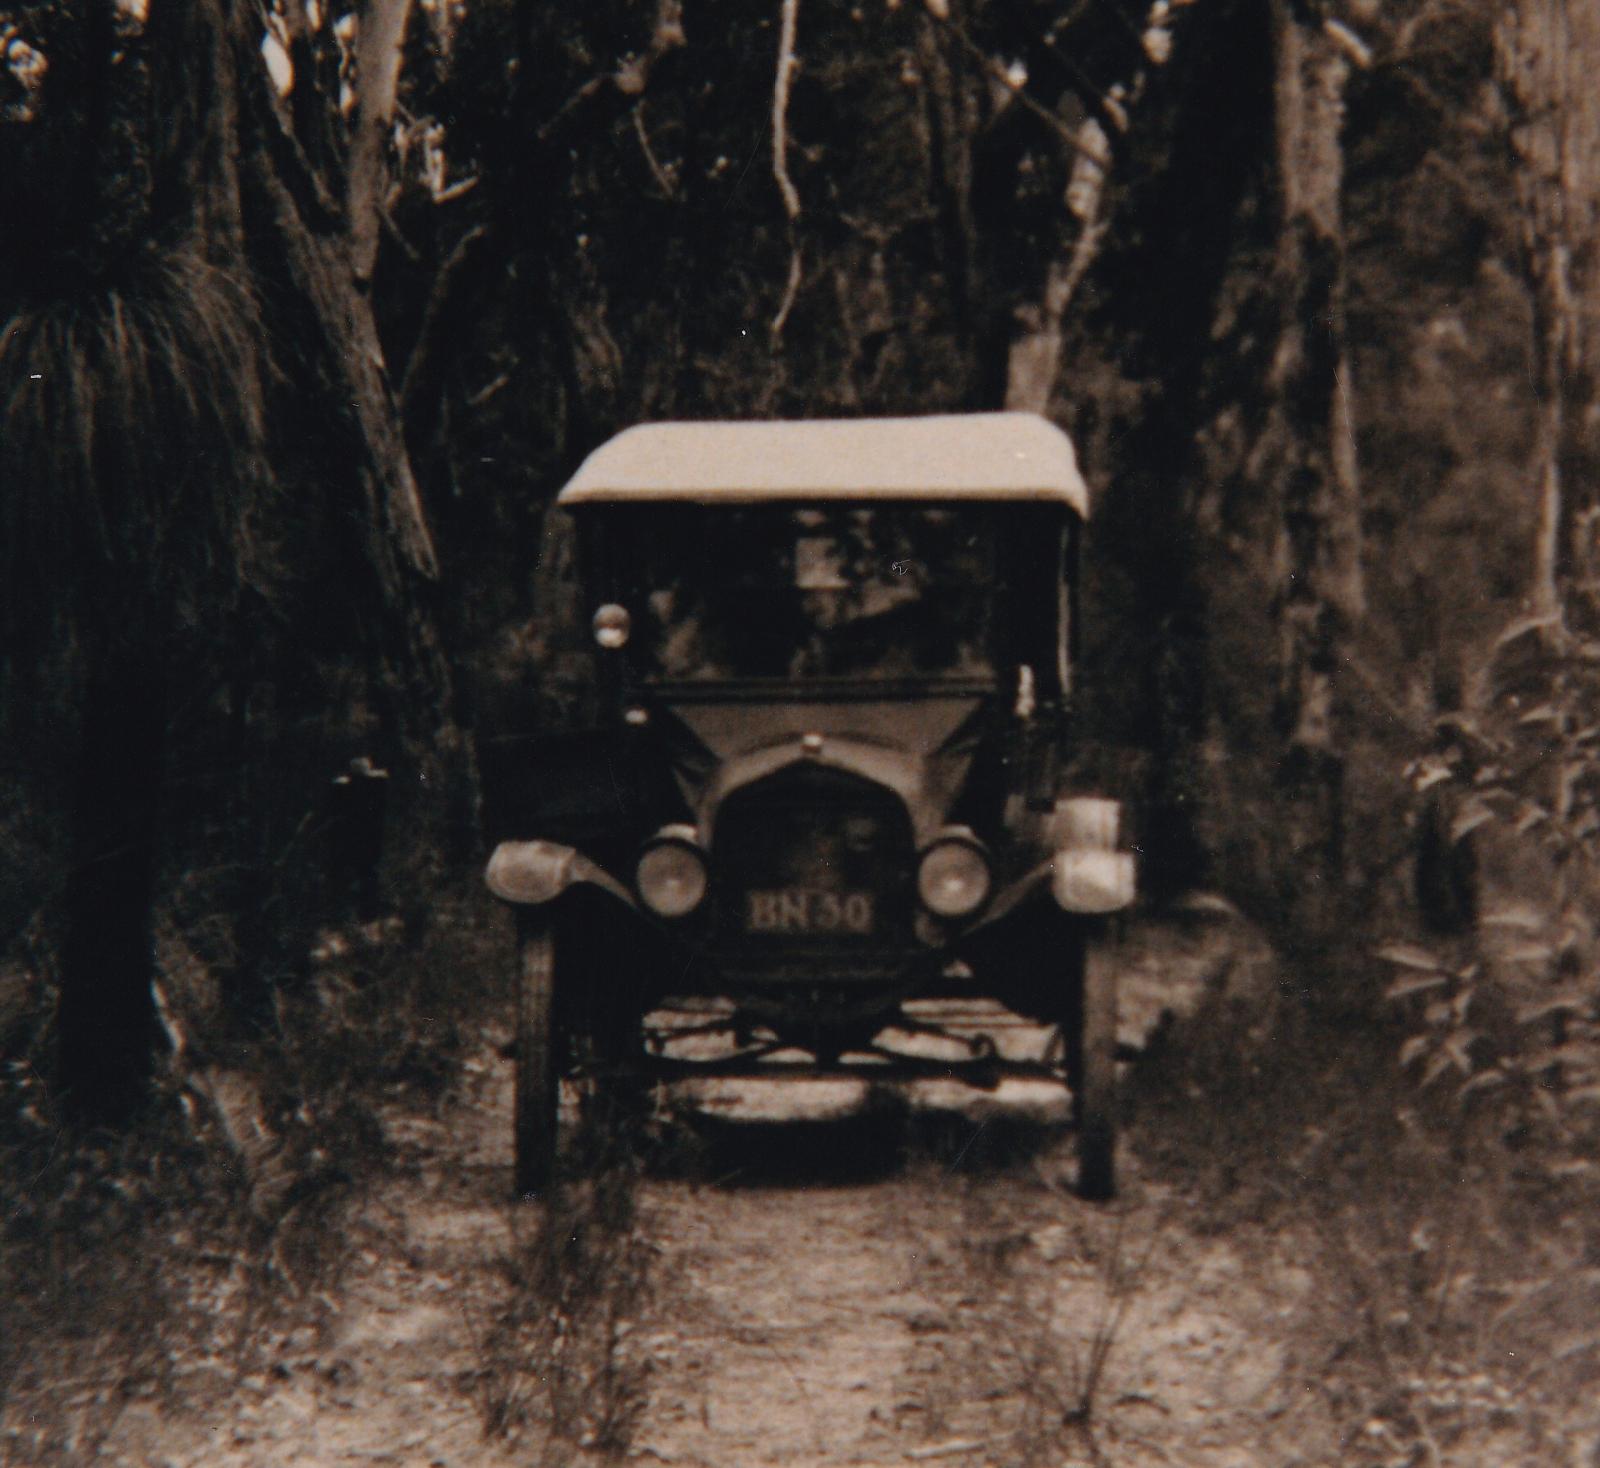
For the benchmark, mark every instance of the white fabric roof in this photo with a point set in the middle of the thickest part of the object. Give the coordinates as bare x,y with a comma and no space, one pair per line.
974,456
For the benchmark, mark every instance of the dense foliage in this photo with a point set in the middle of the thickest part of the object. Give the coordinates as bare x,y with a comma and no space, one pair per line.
307,309
584,217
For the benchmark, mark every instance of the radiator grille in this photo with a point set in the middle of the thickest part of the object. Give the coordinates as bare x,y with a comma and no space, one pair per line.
813,876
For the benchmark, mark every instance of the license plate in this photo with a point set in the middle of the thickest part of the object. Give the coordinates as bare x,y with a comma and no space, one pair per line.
805,910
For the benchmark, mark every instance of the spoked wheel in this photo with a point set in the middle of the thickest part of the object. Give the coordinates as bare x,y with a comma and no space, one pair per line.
1091,1063
538,1088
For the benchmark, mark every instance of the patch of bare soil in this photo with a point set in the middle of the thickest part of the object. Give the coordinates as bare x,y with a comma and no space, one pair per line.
838,1282
379,1369
979,1316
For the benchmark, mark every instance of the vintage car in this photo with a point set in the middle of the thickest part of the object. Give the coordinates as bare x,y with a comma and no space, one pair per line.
831,769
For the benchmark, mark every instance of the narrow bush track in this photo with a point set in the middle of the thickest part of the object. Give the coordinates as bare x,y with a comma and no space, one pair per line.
877,1289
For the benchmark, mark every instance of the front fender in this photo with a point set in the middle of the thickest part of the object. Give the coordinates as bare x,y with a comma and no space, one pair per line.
531,873
1010,897
1086,869
1088,882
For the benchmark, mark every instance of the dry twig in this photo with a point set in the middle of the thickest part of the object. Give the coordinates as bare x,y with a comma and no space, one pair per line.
780,158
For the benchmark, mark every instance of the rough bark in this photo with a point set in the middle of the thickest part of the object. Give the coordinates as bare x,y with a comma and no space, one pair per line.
379,39
1304,459
1548,54
170,538
1034,362
230,186
325,255
106,1019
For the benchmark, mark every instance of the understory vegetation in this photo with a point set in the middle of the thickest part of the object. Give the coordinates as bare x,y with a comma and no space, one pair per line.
1447,1247
169,1260
316,306
563,1364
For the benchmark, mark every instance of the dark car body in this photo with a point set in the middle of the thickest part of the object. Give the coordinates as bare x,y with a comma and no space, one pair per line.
830,770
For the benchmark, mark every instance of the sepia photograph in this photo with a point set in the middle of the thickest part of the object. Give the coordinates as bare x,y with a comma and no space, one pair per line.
800,733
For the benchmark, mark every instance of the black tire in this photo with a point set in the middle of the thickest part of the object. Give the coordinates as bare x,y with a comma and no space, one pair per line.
1094,1083
538,1079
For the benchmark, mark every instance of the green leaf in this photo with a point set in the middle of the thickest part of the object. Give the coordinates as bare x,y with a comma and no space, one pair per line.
1521,916
1557,1004
1474,814
1525,625
1417,1045
1531,953
1408,955
1437,1065
1571,1167
1415,984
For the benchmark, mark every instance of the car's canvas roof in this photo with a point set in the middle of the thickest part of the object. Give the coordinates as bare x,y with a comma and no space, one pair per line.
973,456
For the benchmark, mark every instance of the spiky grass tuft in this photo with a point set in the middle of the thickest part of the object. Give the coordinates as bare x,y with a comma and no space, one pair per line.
132,450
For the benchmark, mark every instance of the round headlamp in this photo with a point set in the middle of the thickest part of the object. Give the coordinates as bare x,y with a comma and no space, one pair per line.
671,876
953,877
612,624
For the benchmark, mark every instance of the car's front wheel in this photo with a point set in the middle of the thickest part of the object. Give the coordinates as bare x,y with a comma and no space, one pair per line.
538,1076
1089,1038
1094,1088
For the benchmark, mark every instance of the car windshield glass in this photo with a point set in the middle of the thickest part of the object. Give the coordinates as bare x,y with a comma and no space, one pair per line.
800,592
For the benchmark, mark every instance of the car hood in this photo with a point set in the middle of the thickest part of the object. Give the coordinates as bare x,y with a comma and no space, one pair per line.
922,749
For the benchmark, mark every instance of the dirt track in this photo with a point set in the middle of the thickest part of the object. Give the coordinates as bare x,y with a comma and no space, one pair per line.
817,1298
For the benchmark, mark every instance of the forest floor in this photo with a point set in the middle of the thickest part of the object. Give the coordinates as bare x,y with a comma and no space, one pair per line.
825,1280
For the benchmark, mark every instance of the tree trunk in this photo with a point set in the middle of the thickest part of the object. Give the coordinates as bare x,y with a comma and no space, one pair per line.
1033,365
324,256
1548,54
379,38
106,1017
1305,459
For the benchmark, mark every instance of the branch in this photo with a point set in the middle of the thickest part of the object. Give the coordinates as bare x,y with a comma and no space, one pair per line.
780,110
780,157
1038,109
632,73
663,181
1355,49
421,367
296,169
379,39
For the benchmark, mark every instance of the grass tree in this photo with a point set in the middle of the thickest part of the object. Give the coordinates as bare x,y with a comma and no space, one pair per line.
132,440
178,225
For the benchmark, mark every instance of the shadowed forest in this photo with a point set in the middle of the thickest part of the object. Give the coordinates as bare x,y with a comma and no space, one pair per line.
308,309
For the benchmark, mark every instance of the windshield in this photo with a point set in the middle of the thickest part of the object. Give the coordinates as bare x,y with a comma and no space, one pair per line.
797,592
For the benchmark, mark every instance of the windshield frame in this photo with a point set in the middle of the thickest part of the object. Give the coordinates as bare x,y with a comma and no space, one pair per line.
1025,605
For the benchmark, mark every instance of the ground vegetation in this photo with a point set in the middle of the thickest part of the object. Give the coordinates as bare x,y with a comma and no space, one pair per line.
314,307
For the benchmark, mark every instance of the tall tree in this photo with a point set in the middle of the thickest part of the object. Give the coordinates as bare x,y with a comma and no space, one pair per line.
1302,461
147,439
132,458
315,143
1548,53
